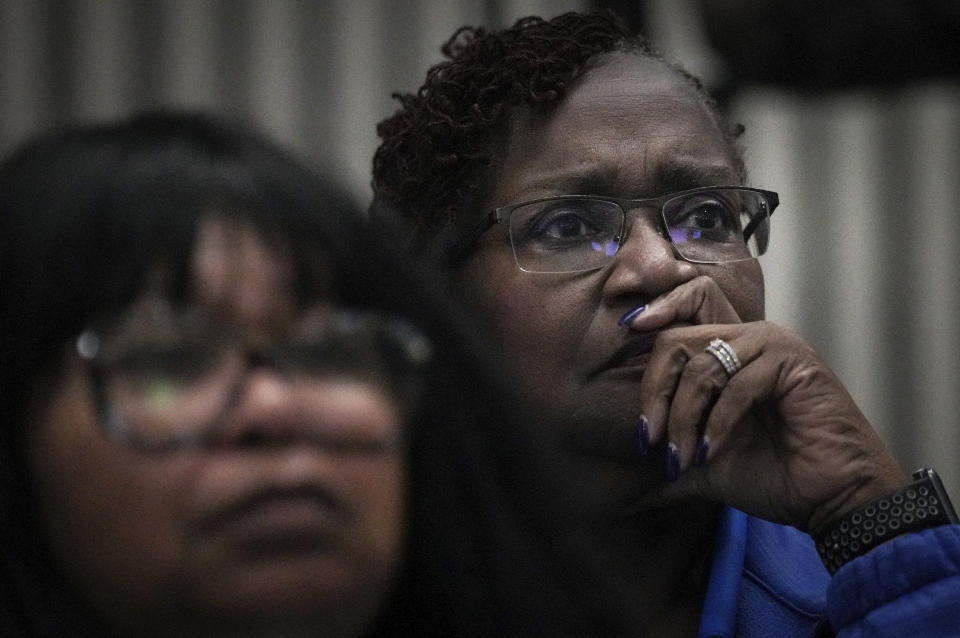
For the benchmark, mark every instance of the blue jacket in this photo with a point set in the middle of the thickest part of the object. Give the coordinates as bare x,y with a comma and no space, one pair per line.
767,580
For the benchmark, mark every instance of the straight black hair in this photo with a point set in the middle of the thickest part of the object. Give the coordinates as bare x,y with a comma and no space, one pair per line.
89,212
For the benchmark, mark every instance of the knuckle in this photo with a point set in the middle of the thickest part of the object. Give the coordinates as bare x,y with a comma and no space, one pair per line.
705,364
669,338
704,283
738,393
704,374
669,344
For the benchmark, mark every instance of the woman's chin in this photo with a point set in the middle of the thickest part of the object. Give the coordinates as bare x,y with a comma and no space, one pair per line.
300,595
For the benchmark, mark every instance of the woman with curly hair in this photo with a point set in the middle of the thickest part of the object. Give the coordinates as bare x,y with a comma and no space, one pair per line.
593,206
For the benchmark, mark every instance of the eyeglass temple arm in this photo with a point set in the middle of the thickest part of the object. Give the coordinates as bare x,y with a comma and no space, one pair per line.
758,219
460,246
752,226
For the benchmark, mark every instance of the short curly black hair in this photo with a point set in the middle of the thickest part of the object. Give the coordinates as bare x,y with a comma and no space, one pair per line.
431,164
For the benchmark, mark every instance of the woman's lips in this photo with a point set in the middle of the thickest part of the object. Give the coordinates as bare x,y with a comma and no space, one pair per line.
639,360
278,521
633,354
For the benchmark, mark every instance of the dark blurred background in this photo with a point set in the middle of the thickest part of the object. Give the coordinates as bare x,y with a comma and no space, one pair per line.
851,108
823,45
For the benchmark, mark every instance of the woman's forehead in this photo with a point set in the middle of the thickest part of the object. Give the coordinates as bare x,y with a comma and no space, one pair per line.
234,270
233,266
237,272
631,98
628,123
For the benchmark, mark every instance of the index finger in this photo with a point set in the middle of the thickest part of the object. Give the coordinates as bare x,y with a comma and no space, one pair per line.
698,301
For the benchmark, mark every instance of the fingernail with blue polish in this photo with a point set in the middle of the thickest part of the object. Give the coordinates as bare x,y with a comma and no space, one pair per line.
643,436
703,449
631,315
673,463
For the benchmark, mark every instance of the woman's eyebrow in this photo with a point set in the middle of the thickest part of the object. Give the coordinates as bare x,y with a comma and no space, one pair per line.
681,175
668,177
576,181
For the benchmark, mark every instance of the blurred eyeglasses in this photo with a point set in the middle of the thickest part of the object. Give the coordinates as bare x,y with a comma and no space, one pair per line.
170,384
578,233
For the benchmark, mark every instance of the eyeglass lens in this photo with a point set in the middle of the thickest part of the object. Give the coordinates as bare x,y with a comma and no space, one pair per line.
571,234
176,382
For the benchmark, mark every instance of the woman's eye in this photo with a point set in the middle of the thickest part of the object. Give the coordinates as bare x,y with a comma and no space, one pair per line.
565,224
708,216
173,363
325,356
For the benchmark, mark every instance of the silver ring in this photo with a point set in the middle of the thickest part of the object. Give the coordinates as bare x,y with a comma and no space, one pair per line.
726,355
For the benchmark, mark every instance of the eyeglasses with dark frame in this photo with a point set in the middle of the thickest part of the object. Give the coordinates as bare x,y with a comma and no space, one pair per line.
173,388
579,233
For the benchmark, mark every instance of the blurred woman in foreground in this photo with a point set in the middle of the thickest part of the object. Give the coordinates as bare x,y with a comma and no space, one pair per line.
226,412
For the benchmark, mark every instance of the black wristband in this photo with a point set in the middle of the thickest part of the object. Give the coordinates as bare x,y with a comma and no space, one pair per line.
922,504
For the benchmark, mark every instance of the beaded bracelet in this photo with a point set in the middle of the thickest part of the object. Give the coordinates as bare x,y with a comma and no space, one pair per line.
922,504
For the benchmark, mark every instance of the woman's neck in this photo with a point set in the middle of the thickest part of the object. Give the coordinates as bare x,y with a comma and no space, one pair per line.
662,561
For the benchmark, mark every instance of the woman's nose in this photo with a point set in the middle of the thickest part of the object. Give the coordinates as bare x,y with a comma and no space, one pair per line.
646,265
339,413
262,411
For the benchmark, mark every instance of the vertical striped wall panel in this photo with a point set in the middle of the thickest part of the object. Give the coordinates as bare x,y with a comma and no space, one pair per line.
865,249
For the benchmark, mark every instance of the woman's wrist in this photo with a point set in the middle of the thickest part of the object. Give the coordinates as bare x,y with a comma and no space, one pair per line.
919,505
873,482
